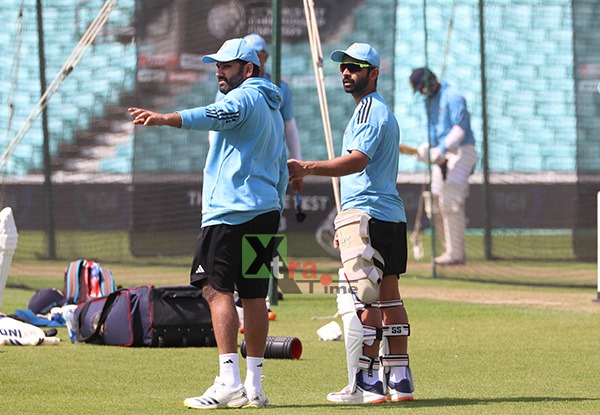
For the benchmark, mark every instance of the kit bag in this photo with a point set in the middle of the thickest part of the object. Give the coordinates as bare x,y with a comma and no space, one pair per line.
180,317
85,279
121,318
147,316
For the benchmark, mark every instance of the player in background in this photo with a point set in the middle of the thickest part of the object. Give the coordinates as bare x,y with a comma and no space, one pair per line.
245,179
453,155
371,237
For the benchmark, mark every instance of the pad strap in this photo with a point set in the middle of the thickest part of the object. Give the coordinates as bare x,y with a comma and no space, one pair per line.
394,360
368,253
379,304
363,251
369,363
352,216
370,334
396,330
361,274
388,304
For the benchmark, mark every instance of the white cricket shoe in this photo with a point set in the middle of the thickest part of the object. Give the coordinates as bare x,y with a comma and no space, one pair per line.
219,396
446,259
256,399
364,393
401,391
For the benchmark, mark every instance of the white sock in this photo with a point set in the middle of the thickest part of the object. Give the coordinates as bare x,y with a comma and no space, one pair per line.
397,374
254,372
370,377
229,369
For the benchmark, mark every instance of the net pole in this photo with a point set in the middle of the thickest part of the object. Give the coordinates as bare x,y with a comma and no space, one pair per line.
598,245
317,56
49,205
429,167
484,141
276,78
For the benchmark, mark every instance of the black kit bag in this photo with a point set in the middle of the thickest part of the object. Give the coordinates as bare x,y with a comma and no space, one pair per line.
181,317
147,316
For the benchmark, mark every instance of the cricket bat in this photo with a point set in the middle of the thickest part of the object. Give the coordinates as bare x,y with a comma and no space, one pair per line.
408,150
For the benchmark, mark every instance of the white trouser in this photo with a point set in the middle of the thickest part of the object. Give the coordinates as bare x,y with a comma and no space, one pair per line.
438,222
451,194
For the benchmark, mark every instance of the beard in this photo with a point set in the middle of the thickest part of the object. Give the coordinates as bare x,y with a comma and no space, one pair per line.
232,82
350,86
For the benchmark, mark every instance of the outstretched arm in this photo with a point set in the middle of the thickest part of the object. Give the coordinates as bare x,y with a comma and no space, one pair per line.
339,166
147,117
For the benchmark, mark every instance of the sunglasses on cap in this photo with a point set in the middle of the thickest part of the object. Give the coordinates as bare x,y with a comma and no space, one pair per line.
353,67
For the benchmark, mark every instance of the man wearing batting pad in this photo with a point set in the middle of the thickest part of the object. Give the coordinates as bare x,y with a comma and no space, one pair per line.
371,236
245,178
452,152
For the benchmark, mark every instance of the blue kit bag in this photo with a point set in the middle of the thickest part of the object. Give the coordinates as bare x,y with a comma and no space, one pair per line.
176,316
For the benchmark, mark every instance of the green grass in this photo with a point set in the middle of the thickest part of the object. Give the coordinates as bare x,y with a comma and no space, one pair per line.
115,246
531,259
466,358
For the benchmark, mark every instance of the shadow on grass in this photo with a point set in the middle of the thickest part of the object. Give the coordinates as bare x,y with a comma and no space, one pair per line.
441,402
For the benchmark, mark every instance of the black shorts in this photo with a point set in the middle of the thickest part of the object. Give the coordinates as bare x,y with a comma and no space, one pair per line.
389,239
218,256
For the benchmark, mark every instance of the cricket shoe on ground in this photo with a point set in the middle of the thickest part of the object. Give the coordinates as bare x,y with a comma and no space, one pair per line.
364,393
256,399
446,259
401,391
219,396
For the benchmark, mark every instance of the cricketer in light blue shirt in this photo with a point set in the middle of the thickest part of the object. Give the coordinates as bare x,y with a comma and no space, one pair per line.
246,171
447,109
373,130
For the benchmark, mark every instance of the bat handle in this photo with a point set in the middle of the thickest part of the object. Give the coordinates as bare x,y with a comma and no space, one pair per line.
300,215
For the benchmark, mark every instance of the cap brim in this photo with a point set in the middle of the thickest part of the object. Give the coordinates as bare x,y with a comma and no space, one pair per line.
338,55
213,58
218,57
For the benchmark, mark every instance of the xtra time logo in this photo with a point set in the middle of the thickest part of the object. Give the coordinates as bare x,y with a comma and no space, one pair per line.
266,256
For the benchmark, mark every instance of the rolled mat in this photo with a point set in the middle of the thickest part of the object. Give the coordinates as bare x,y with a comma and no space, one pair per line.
279,347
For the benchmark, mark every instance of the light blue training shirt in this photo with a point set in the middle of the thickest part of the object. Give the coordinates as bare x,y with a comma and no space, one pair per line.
373,130
447,109
246,171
